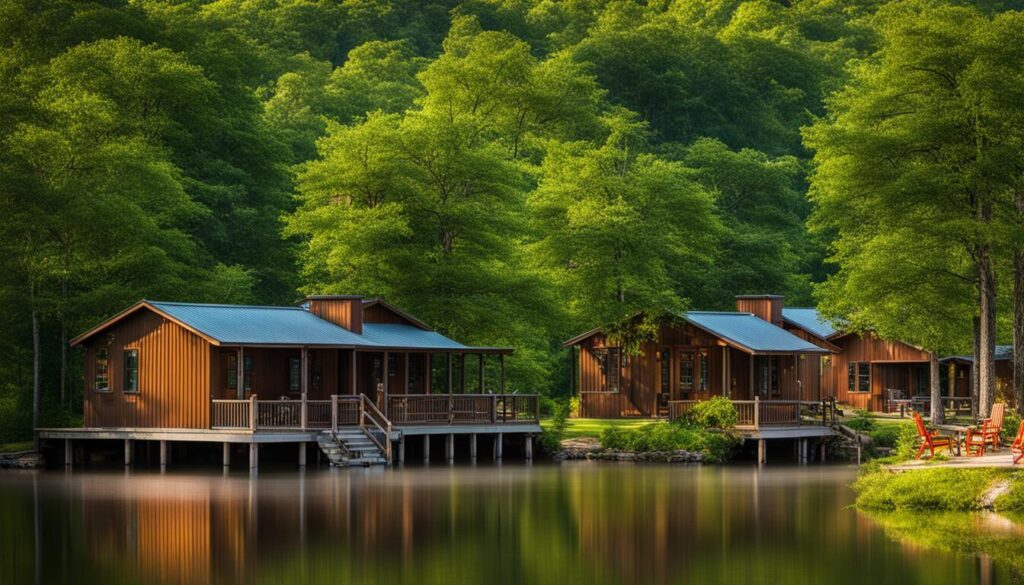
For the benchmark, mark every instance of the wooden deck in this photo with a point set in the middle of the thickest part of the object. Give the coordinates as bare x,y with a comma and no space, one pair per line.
766,415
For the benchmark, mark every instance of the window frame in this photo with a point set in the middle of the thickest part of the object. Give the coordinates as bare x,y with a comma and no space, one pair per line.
125,371
105,389
856,374
604,356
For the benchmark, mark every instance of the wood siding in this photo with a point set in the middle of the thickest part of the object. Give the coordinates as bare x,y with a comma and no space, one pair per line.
766,307
379,313
891,365
345,312
641,376
174,376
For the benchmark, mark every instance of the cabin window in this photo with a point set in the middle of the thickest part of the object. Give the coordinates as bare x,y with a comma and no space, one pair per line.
392,366
666,372
294,374
131,370
859,377
247,368
703,370
232,372
101,379
685,374
609,361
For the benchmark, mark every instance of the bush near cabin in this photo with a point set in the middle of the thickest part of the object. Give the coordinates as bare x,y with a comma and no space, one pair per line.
707,429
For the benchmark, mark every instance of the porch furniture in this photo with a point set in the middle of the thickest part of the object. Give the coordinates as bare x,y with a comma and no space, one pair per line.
993,425
930,440
977,439
1017,447
958,432
896,401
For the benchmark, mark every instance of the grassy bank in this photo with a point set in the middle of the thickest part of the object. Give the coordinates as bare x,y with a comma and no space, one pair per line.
941,489
593,427
16,447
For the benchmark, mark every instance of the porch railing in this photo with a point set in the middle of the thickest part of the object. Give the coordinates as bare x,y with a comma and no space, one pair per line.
463,408
757,413
300,414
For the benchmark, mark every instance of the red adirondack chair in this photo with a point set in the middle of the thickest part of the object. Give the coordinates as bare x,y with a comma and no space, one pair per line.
1017,447
930,440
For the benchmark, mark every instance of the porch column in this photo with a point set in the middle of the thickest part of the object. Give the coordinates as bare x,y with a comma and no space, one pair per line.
353,390
385,376
796,376
752,394
240,373
951,381
481,383
462,374
501,358
449,372
725,370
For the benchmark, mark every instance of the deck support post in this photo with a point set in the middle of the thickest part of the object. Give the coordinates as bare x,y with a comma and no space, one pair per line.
529,448
163,454
803,451
302,454
127,452
762,456
824,450
472,446
226,454
426,448
498,446
401,449
254,456
449,447
68,454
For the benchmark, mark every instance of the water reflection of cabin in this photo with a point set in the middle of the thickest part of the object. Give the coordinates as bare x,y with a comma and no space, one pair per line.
251,374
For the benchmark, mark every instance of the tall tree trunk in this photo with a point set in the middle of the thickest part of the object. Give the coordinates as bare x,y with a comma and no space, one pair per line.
36,385
938,412
975,387
987,341
1018,311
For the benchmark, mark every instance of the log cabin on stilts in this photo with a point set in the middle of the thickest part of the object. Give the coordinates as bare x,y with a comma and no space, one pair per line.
358,374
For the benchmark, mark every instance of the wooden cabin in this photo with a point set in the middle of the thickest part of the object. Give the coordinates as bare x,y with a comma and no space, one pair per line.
234,373
159,364
740,355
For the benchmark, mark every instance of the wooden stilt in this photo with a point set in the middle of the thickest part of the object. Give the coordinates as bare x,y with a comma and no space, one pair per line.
498,446
127,452
426,448
163,453
68,453
401,449
762,457
449,447
472,446
254,456
302,454
529,448
226,455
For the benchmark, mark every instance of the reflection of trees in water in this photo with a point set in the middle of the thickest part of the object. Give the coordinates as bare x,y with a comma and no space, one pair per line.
557,525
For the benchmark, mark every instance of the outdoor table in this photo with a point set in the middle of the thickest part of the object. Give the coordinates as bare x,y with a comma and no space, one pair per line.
959,432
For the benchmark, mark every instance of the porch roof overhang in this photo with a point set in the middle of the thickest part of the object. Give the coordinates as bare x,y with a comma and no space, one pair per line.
751,334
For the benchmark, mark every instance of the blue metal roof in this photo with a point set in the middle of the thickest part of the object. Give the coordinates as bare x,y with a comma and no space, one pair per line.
809,319
242,324
1003,353
753,333
401,335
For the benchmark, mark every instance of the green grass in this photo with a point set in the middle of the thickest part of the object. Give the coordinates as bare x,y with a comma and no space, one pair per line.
938,489
15,447
592,427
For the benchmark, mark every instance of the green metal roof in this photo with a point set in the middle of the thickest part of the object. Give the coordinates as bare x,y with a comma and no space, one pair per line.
751,332
809,319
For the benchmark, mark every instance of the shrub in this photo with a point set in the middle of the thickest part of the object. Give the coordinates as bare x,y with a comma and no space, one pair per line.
1010,424
574,406
906,443
716,413
551,439
715,446
888,435
862,421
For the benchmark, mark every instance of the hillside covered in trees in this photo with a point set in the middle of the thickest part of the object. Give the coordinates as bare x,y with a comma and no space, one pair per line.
509,171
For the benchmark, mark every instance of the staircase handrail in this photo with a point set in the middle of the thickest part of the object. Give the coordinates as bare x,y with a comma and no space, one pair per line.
373,415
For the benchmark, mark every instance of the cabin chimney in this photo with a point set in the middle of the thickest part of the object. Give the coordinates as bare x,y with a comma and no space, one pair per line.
767,307
343,310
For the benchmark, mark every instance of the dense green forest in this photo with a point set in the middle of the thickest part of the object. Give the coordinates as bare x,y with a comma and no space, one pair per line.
510,171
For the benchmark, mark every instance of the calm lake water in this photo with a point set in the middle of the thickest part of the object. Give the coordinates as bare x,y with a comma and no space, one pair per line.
575,523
